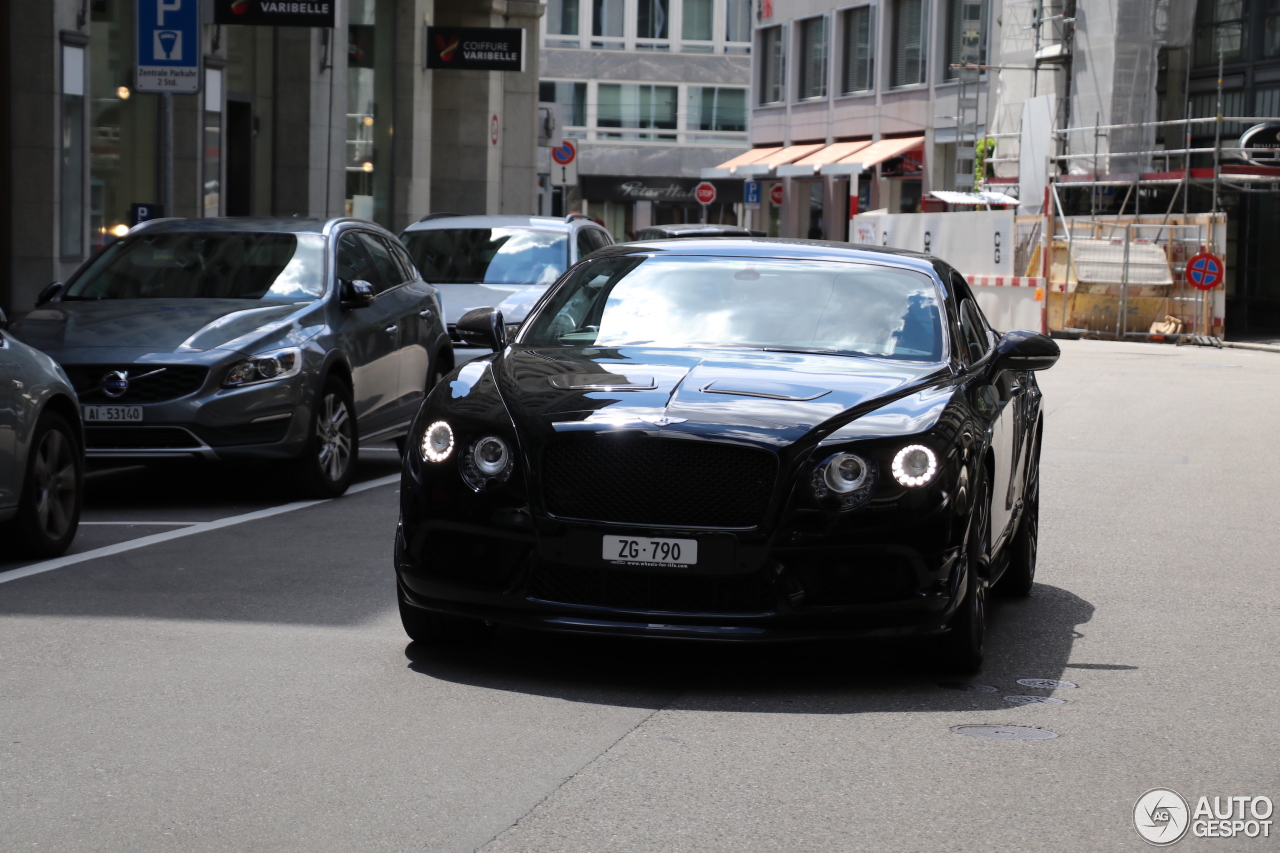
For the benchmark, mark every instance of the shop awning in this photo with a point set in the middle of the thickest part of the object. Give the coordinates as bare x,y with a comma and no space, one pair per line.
876,152
984,197
808,166
726,169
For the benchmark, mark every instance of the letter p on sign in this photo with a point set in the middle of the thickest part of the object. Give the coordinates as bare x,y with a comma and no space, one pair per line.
163,6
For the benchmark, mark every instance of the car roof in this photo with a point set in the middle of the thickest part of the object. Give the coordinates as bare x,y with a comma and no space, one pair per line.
547,223
773,247
281,224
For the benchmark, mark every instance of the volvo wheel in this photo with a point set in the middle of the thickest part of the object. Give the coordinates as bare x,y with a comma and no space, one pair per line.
329,460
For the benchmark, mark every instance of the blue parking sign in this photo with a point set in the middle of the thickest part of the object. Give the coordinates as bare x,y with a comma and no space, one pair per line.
168,46
751,193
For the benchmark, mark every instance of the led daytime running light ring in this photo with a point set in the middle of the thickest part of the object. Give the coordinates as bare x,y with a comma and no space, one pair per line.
910,480
430,453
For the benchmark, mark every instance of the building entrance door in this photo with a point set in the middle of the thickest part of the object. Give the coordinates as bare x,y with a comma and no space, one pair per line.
239,153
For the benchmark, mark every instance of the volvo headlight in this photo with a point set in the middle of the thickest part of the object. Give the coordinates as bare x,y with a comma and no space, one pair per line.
488,462
847,478
266,367
915,465
437,442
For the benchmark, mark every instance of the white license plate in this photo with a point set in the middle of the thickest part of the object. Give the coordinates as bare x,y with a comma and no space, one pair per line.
112,414
639,551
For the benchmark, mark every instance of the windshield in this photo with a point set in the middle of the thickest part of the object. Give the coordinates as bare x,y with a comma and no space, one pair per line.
207,265
759,303
489,255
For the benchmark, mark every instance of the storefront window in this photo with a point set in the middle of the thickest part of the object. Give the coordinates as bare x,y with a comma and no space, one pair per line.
72,177
212,192
122,125
369,58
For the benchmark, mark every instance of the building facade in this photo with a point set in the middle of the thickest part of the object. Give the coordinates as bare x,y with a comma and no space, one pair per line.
653,91
313,121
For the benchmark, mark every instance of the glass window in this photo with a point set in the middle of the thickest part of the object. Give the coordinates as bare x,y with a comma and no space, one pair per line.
737,23
715,108
1271,32
772,65
389,272
813,58
859,50
73,150
651,19
908,42
631,105
207,265
572,98
369,61
585,246
608,20
123,130
976,340
212,142
562,17
749,303
1221,25
354,263
697,20
488,255
956,27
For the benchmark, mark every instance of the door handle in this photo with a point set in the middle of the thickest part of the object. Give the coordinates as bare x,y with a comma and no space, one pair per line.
427,313
391,328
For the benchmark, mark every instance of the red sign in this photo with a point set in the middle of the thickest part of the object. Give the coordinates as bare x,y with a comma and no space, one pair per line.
775,194
705,192
566,153
1205,271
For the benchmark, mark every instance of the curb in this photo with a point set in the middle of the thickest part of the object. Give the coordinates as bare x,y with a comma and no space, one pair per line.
1258,347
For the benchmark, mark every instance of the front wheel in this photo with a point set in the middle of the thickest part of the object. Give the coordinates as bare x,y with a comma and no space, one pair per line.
1019,578
444,629
328,462
962,648
49,508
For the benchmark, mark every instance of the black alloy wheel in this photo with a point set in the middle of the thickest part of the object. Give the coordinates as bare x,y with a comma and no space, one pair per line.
963,646
49,509
328,462
442,629
1020,576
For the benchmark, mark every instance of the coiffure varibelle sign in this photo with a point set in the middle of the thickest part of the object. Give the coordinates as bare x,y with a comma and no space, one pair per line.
475,48
275,13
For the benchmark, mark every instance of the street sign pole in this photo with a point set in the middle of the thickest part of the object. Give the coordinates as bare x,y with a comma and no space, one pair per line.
166,154
168,47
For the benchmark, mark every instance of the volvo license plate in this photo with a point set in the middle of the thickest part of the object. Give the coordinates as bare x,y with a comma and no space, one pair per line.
641,551
112,414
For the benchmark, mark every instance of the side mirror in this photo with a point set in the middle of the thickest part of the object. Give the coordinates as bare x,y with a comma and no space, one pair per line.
483,327
357,294
1025,351
50,291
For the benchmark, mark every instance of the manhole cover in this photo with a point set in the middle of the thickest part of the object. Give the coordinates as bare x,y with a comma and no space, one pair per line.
1047,683
1035,700
1005,732
961,685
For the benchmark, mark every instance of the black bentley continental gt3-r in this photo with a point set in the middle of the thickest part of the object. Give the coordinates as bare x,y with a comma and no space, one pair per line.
730,439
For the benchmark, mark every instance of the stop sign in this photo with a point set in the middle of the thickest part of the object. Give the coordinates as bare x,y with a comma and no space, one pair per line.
775,194
705,192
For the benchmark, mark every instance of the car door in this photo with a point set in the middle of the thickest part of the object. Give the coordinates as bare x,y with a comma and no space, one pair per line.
419,310
370,335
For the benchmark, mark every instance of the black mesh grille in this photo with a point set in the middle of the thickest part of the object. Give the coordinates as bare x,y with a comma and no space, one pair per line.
658,481
471,560
833,582
173,381
651,591
138,438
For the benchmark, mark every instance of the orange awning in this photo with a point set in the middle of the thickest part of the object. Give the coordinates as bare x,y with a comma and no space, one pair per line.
876,152
728,168
809,165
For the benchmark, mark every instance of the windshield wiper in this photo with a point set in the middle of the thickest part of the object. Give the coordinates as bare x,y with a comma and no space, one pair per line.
803,351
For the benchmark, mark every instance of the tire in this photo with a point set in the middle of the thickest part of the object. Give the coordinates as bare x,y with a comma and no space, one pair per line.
52,490
962,647
443,629
1020,576
328,461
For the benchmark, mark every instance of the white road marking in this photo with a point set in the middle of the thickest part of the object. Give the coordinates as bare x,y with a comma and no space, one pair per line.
198,527
145,523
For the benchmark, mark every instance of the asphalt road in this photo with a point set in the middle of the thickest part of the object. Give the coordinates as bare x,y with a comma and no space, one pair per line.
225,670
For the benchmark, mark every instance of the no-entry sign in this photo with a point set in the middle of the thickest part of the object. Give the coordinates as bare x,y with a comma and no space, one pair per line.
1205,271
775,194
705,192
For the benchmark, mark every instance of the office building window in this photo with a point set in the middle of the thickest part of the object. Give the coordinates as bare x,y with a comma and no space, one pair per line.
572,98
697,26
212,142
717,108
651,20
608,20
1221,25
636,106
737,21
813,58
858,71
562,20
909,42
773,57
956,27
1271,30
72,177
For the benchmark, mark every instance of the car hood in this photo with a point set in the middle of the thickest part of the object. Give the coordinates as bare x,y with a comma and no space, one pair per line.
458,299
168,325
776,397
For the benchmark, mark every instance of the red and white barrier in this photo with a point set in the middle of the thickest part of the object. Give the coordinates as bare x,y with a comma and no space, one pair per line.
1010,301
1004,281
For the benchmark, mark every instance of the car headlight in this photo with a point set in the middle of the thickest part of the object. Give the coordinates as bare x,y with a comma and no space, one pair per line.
437,442
846,478
488,462
915,465
267,367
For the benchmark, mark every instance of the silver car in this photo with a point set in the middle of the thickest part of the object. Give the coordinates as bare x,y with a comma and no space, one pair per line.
505,262
262,339
41,453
